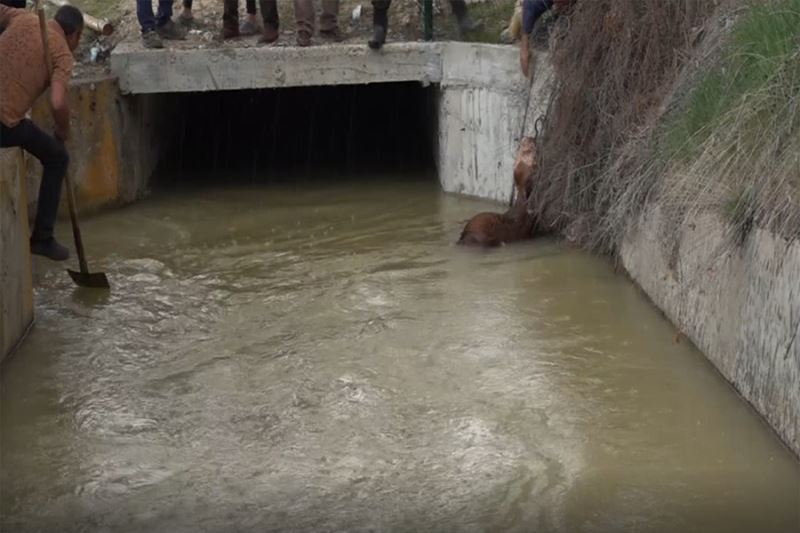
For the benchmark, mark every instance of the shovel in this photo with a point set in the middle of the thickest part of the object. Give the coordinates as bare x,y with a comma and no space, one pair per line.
84,278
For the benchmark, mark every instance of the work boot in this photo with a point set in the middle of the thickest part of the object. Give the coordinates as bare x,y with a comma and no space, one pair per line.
171,32
269,35
303,38
230,31
464,21
380,25
50,249
334,35
329,21
150,39
271,21
186,19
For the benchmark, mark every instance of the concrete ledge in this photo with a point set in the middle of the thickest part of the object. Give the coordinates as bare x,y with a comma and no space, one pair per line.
143,71
16,288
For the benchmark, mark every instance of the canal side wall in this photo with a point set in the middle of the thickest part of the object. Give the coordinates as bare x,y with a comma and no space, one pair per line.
482,106
741,307
114,147
16,288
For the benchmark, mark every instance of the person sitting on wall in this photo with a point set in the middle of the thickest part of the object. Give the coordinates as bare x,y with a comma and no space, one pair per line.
23,77
532,10
157,26
380,20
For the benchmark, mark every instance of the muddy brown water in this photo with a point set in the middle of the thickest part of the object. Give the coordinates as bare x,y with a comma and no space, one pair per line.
324,359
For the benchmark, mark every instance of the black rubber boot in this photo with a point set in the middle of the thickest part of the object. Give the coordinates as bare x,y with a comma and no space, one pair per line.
465,22
49,248
380,23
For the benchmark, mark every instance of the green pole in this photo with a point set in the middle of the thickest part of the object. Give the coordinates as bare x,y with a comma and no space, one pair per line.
427,19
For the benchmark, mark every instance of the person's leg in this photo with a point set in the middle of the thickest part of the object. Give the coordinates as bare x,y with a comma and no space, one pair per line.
250,24
329,21
304,13
465,22
380,23
55,159
186,17
230,19
164,25
144,12
164,14
269,14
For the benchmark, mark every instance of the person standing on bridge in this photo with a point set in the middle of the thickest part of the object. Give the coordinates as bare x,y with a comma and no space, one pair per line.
23,77
380,20
159,25
305,16
230,18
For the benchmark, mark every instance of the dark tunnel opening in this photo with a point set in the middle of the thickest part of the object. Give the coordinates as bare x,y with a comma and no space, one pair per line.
277,135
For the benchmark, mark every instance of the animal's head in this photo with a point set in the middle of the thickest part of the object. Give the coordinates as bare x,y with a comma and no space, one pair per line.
524,168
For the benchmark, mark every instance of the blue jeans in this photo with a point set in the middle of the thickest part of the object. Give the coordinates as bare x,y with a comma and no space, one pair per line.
532,10
147,20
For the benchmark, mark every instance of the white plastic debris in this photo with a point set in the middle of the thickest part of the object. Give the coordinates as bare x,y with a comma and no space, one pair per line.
356,13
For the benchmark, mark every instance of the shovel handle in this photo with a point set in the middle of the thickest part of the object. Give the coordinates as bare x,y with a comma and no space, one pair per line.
76,230
73,215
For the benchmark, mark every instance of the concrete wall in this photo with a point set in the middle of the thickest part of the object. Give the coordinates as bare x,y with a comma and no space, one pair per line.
480,112
16,292
739,305
142,71
114,146
483,102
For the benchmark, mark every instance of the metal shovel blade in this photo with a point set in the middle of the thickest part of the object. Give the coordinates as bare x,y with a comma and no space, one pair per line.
93,280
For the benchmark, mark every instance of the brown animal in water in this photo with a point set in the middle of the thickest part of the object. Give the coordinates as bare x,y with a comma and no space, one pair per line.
516,224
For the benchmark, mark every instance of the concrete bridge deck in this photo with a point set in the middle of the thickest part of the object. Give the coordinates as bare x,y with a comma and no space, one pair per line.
143,71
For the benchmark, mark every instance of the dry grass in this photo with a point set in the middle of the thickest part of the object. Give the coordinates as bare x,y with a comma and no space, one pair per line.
736,147
633,120
615,62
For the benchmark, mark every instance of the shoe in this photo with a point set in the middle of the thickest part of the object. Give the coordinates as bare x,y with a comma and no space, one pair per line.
269,35
150,39
303,38
248,27
378,38
229,32
334,35
380,23
171,32
184,21
50,249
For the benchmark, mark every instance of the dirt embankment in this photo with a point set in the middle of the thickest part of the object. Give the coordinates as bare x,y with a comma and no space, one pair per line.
692,102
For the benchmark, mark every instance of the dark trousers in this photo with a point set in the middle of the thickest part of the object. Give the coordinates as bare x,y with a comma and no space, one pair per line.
251,6
304,13
149,21
54,158
269,11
